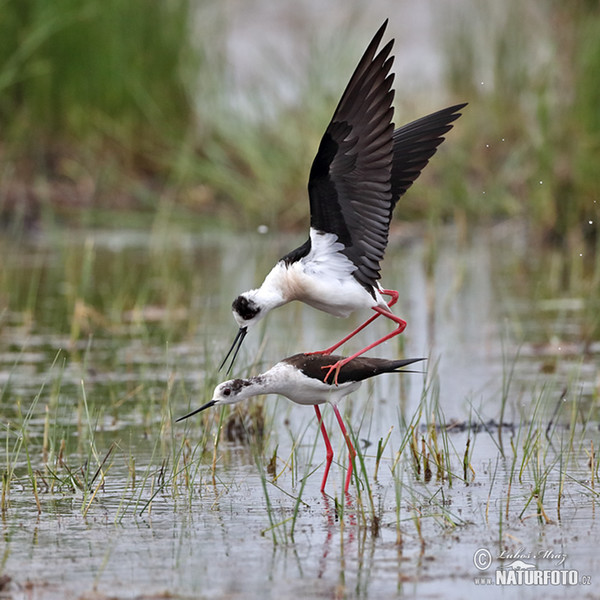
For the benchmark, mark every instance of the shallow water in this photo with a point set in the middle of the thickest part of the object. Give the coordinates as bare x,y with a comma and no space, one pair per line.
106,362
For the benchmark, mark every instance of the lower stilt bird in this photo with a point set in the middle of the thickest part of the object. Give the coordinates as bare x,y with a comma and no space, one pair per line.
302,379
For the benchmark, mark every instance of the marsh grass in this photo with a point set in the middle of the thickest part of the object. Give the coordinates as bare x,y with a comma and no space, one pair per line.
12,455
177,466
134,109
106,317
547,449
55,473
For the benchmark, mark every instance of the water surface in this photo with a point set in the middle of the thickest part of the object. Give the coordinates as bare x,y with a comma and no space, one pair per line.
106,337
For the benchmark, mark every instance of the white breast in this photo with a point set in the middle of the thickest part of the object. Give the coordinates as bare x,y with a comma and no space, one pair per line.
323,279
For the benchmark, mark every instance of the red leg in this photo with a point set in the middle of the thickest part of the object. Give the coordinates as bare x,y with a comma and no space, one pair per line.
327,445
381,311
394,298
351,450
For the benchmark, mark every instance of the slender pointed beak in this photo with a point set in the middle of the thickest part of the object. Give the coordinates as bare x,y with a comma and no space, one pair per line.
237,344
203,407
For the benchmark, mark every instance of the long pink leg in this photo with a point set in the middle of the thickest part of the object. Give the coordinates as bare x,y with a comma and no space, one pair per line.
327,445
381,311
351,450
394,298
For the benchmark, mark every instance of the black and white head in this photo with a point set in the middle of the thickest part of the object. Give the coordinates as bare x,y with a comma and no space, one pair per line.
247,311
228,392
234,390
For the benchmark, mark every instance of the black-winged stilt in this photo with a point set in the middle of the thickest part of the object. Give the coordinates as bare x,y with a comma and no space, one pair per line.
301,378
360,171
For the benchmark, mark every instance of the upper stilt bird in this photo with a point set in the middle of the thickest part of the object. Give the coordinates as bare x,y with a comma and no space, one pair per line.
361,169
301,378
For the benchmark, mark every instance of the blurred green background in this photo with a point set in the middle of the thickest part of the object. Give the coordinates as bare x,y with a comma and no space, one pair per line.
110,110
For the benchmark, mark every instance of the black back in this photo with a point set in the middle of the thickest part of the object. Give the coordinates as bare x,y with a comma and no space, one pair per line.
358,369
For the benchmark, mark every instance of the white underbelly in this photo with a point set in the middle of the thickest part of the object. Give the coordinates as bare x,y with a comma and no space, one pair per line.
339,298
320,393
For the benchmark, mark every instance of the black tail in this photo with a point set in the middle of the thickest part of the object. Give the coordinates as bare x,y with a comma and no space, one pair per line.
367,367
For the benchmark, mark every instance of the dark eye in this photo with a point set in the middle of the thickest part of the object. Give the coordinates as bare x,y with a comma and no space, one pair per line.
226,391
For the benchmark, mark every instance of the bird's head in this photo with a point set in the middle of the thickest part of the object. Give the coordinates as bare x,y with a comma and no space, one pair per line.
247,311
228,392
234,390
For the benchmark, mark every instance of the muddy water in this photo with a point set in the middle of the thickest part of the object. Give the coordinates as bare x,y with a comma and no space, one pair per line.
477,308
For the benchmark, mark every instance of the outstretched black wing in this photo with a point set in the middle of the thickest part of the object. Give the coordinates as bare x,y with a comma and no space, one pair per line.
349,185
415,143
363,166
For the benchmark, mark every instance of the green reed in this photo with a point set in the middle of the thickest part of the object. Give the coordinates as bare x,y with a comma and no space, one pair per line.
158,115
530,97
139,101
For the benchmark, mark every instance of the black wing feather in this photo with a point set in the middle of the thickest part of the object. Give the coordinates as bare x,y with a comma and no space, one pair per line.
349,185
363,166
415,143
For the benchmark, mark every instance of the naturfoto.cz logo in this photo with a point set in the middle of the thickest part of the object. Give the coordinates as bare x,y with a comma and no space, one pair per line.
521,571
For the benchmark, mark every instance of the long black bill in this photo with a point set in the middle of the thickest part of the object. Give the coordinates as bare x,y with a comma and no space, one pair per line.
237,344
203,407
